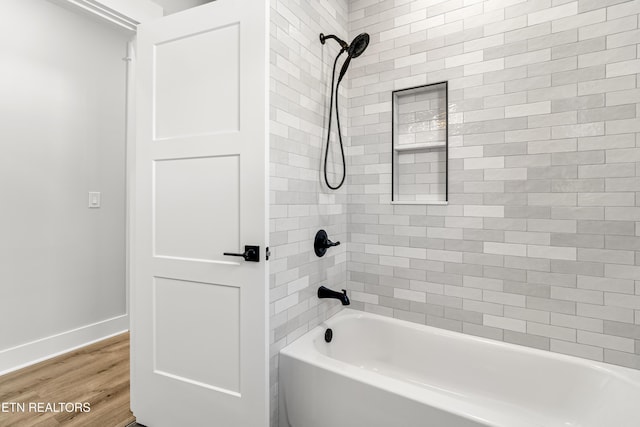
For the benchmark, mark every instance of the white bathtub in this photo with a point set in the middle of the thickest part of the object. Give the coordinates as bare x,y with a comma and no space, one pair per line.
383,372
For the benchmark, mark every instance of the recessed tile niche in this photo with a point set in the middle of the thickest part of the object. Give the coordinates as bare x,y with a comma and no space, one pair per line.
420,145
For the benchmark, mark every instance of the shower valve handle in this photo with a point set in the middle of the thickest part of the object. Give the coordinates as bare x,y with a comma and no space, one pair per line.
321,243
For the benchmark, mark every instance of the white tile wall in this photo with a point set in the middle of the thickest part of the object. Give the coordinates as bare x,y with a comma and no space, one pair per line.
300,205
539,244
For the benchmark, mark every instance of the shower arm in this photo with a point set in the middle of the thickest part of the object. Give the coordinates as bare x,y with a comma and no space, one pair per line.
341,42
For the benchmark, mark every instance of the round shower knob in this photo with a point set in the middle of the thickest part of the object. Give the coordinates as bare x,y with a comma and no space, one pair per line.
321,243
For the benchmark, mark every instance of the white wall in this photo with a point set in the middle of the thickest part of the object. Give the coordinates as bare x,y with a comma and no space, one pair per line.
62,134
173,6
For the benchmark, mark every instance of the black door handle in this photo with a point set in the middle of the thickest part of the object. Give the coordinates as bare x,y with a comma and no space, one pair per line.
251,253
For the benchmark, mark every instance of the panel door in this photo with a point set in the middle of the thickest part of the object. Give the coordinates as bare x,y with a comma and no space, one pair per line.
199,318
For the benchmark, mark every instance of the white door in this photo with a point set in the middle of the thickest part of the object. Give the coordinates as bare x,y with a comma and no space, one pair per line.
199,318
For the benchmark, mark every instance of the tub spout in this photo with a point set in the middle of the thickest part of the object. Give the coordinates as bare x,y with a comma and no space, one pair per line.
324,292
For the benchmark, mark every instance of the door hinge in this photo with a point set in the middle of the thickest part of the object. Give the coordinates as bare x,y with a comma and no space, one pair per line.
267,253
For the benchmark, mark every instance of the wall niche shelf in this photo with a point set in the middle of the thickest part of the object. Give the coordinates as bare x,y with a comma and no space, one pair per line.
415,147
420,134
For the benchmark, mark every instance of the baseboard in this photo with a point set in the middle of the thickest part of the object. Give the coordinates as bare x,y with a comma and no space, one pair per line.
36,351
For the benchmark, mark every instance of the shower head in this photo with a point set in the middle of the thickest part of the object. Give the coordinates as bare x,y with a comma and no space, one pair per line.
358,45
355,49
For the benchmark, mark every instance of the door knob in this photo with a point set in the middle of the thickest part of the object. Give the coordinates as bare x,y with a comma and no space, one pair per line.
251,253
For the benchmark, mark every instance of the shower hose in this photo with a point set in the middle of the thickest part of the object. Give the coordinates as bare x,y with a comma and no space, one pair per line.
326,153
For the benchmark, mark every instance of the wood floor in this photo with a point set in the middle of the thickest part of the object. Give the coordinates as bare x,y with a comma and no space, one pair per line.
97,374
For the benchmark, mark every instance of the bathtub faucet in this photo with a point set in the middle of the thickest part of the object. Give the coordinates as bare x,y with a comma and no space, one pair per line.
328,293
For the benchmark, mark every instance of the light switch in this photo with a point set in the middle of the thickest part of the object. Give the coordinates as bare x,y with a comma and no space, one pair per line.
94,199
